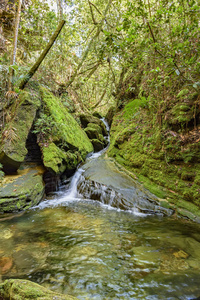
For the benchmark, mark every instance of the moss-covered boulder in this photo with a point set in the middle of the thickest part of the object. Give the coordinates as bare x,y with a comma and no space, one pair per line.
86,119
63,143
20,118
16,289
22,191
98,145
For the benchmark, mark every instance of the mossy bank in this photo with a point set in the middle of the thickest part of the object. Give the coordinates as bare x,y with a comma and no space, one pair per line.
166,161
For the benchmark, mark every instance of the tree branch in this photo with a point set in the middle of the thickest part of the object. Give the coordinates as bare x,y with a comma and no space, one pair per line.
99,28
42,56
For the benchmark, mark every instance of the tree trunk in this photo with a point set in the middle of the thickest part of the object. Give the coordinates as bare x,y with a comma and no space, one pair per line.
13,58
42,56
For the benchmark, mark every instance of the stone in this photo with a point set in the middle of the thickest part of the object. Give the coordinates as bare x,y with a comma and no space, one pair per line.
91,133
97,144
22,192
69,144
13,145
95,126
19,289
86,119
105,182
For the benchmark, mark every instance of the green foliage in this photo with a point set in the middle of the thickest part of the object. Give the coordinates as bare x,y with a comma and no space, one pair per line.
44,128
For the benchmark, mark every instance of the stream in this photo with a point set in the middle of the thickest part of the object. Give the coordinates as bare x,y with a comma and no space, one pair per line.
75,245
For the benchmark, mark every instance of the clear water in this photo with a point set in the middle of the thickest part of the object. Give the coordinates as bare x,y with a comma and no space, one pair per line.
82,248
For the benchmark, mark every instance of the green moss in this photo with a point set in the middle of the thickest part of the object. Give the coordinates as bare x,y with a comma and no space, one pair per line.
68,129
96,127
166,168
133,107
57,160
62,141
16,289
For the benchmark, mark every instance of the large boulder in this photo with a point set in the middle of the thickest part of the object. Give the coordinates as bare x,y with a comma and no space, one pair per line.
18,289
105,182
67,144
13,140
22,191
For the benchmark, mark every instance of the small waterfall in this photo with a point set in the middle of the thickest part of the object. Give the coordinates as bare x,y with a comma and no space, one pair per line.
72,191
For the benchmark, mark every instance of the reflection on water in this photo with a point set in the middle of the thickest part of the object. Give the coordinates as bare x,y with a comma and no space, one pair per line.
92,252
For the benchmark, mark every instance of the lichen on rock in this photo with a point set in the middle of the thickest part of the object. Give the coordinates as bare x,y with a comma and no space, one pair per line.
19,289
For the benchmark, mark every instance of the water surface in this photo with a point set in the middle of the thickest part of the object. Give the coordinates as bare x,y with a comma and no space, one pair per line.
91,251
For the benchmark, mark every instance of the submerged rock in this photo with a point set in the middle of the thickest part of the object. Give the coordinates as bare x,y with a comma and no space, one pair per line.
104,182
18,289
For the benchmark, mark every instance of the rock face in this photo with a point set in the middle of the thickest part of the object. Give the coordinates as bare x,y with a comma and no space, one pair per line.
22,191
104,182
16,289
13,145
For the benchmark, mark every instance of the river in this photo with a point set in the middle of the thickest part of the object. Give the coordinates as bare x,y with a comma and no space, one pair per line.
91,250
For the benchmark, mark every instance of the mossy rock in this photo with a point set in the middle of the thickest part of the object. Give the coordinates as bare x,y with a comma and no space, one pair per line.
86,119
19,289
97,144
57,160
92,133
22,191
13,143
95,126
69,143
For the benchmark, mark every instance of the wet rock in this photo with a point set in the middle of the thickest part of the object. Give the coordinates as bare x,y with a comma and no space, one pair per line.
103,181
97,144
86,119
6,264
22,192
16,289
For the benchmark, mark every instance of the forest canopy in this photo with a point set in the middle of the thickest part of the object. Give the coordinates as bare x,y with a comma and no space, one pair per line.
108,51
